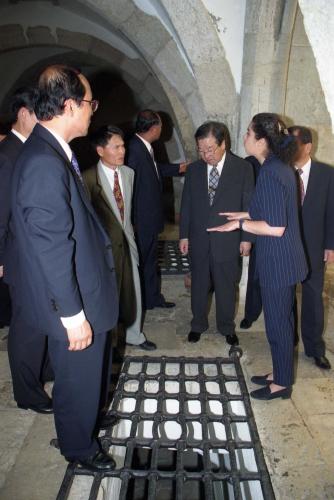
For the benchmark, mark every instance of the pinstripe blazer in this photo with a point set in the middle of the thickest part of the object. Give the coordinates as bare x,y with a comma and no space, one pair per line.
280,261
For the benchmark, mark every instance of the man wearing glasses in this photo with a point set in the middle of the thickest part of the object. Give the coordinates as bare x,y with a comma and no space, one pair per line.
218,182
59,264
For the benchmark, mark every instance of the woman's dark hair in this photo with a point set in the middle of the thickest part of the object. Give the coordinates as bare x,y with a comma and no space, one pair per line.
101,136
146,119
218,130
270,127
57,84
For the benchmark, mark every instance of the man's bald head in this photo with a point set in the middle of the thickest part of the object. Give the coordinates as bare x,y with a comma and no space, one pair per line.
57,84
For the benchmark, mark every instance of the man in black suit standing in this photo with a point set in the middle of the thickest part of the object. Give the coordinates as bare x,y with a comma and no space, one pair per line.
219,182
23,119
316,181
59,263
147,202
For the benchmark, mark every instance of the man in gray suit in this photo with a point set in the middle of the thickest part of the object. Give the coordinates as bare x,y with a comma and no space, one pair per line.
110,186
218,182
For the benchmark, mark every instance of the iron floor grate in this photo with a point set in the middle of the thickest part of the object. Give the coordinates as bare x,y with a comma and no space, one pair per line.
184,430
170,259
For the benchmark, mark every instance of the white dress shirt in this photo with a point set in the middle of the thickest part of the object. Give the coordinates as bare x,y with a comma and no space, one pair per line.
18,135
110,173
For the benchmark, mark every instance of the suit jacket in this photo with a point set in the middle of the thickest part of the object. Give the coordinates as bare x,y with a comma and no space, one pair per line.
59,258
233,194
10,149
317,214
120,233
280,261
147,205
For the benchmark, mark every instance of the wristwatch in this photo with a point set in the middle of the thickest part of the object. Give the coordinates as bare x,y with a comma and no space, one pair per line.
241,221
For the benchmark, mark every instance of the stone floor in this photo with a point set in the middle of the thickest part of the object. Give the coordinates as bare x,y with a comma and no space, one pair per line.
297,434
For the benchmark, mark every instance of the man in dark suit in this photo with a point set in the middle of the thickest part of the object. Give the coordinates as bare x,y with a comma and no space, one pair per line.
148,214
59,263
110,186
219,182
23,119
316,181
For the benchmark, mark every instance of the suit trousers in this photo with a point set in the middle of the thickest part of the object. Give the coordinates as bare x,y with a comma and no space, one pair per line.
29,361
312,314
278,305
253,302
223,278
148,268
5,304
77,395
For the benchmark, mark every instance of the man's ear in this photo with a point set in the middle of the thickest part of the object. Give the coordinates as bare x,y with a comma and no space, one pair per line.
308,148
68,106
99,151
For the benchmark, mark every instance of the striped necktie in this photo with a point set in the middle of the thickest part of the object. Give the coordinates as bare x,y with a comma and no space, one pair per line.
301,185
213,183
118,195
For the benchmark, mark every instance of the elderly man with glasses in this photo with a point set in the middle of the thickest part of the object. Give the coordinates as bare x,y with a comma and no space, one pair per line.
218,182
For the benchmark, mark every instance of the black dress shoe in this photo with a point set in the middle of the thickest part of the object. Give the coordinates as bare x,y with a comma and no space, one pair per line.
166,305
100,462
322,362
46,409
245,324
147,345
107,421
194,337
266,395
232,339
261,379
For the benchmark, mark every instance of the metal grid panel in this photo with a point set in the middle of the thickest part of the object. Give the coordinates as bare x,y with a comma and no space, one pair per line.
170,259
186,430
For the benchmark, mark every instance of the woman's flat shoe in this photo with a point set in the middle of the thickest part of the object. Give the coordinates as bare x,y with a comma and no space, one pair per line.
265,393
261,379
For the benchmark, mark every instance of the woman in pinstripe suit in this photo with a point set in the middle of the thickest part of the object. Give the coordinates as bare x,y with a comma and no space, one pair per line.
280,259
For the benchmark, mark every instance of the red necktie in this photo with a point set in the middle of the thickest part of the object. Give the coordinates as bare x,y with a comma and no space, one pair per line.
301,185
118,195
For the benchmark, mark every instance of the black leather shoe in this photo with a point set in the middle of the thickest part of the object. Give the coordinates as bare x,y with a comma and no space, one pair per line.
147,345
245,324
261,379
166,305
47,409
107,421
322,362
194,337
100,462
266,395
232,339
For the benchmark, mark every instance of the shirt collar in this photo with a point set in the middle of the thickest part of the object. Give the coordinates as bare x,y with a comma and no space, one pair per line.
306,167
68,151
147,144
18,135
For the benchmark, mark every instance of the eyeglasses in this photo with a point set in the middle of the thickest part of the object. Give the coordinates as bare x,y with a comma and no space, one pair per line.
94,104
209,151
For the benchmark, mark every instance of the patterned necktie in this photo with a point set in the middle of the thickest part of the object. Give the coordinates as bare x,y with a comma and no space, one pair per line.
213,183
301,185
75,166
118,195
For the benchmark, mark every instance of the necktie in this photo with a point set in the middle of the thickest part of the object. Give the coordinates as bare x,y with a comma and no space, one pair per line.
75,166
153,158
118,195
213,183
301,185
